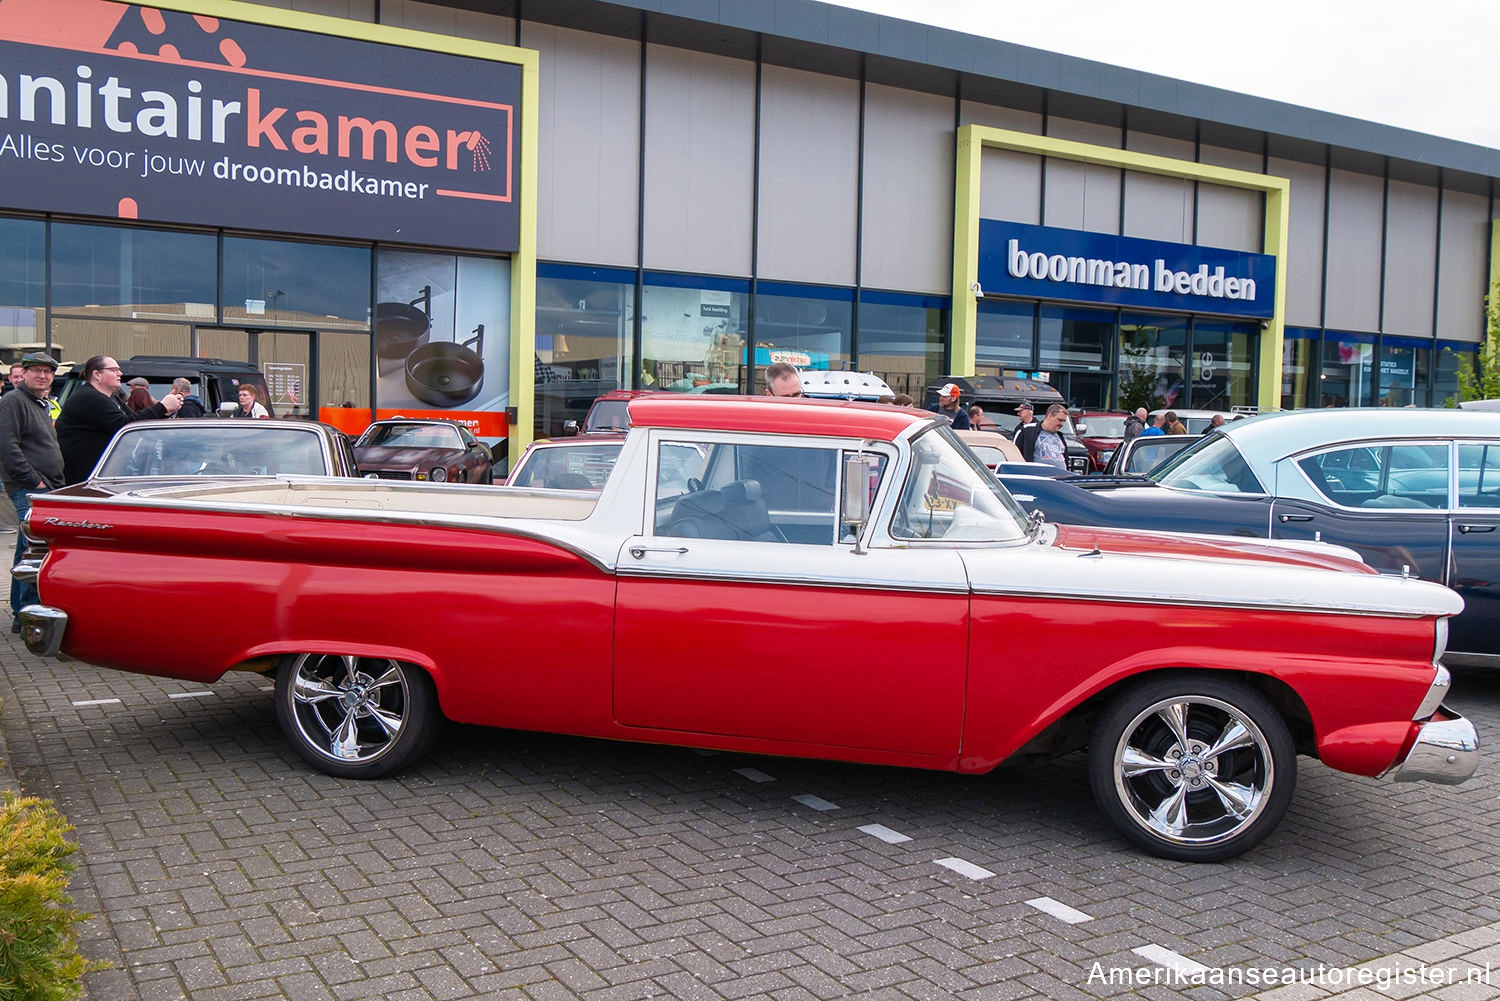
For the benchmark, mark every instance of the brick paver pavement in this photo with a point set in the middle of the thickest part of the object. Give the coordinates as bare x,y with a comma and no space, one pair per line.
523,866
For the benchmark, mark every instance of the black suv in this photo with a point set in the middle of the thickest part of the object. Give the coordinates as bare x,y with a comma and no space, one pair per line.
216,381
1000,396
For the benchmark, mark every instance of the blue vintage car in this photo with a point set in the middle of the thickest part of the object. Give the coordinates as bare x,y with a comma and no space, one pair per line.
1414,492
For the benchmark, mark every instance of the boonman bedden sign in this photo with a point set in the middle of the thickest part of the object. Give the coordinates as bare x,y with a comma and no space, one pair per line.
120,110
1050,263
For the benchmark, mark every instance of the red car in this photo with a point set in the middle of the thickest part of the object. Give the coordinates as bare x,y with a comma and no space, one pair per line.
826,579
1101,432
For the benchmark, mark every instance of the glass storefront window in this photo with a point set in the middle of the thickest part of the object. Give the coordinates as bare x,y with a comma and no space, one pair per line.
693,335
1347,366
1152,356
1445,382
1398,371
76,339
1299,358
584,325
1003,337
280,283
23,285
130,273
1075,339
808,327
344,371
1223,365
901,340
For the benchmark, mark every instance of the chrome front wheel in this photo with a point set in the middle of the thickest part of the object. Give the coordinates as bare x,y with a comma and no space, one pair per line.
1193,768
356,717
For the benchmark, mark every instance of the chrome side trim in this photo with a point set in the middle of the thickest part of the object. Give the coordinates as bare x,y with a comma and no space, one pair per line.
1446,751
42,629
864,584
1490,660
1144,599
1433,700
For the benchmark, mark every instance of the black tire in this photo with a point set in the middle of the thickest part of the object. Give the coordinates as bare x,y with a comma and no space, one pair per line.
356,717
1194,804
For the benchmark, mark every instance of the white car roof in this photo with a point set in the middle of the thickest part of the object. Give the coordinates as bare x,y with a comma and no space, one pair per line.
1269,438
845,385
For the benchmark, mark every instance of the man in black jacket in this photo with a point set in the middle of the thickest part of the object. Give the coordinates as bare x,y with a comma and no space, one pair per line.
1043,442
92,416
29,456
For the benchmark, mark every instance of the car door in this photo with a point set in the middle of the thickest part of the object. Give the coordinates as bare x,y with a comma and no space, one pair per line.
762,623
1386,500
1474,564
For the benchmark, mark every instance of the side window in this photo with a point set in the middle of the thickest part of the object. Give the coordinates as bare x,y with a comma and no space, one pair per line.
1479,476
747,493
1382,476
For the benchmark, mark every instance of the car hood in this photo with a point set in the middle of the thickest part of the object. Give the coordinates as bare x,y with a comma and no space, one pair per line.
384,455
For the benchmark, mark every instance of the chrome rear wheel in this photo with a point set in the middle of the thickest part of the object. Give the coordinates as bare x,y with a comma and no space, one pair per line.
356,717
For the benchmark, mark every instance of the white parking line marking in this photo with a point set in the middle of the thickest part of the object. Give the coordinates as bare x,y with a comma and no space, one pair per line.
964,868
1171,960
96,702
1059,910
755,775
188,695
815,802
884,833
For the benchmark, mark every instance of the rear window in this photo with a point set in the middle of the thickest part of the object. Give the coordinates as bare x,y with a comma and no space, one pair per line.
608,415
214,448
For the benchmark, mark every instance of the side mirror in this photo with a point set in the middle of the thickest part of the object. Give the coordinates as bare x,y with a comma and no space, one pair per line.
570,428
1081,428
859,470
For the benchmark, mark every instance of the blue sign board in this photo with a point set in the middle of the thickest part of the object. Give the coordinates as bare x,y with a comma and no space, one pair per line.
1044,262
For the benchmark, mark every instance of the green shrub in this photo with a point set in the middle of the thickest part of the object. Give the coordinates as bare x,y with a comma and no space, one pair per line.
39,957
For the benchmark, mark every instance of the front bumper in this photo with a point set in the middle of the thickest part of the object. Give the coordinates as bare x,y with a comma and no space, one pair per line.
1446,750
42,629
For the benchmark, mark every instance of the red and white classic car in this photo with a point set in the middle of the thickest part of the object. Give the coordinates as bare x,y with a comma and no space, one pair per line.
825,579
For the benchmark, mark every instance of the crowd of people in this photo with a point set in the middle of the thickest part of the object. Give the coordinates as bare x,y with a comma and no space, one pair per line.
45,444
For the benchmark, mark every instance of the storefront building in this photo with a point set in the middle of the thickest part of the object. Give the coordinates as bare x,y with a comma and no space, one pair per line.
580,197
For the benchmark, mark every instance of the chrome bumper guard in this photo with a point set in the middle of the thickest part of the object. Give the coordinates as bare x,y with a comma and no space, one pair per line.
42,629
1446,751
27,571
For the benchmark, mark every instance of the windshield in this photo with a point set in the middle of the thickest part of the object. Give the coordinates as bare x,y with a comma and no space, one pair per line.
608,415
210,448
1105,425
410,436
1212,464
949,494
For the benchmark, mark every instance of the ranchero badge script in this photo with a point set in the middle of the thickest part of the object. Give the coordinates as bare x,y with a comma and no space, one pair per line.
75,524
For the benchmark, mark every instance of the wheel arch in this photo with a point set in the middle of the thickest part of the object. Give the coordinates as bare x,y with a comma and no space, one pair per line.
1070,730
265,658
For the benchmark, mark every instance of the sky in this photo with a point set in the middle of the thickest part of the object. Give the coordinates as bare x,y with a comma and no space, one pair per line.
1425,65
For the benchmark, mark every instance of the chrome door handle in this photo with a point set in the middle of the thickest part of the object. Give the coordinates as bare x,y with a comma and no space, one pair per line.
639,552
1284,518
1466,529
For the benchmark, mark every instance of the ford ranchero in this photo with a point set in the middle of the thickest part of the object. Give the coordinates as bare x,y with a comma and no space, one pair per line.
825,579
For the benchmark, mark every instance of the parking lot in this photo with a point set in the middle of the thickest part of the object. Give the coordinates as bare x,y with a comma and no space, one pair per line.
515,865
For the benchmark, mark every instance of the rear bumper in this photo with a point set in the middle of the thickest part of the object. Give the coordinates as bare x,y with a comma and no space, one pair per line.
1446,750
42,629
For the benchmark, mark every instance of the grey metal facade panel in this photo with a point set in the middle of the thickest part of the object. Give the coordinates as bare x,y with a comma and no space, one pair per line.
1304,251
802,21
751,15
1158,208
1463,278
881,34
1356,204
1087,132
1231,218
1081,196
907,222
809,182
995,116
700,157
588,145
1411,242
1010,186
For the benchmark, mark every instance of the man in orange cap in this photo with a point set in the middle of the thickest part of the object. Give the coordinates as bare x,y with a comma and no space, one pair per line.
947,406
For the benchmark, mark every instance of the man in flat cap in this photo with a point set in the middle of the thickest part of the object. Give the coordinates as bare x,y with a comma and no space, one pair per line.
30,460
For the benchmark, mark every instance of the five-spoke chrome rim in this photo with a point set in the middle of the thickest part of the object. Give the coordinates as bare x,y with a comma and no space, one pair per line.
1193,770
349,709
